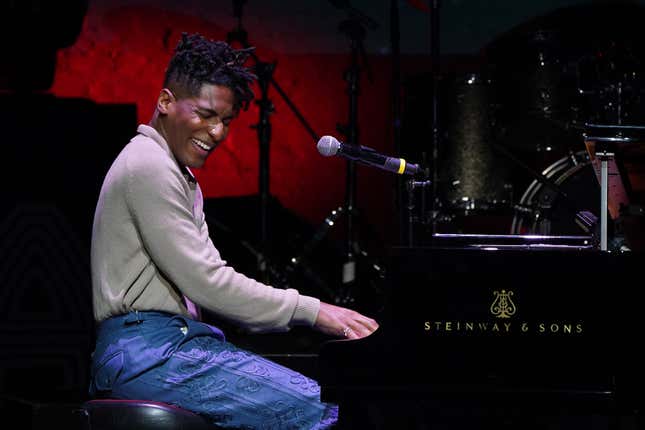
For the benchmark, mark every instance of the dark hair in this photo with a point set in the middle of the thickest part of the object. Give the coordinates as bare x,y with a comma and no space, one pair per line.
198,61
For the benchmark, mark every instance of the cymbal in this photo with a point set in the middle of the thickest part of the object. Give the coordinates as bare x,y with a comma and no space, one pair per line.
618,22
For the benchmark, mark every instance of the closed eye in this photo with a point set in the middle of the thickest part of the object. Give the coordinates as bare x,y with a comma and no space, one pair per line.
205,115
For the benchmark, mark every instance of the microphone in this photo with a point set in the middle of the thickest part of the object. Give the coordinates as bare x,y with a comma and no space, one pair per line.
328,146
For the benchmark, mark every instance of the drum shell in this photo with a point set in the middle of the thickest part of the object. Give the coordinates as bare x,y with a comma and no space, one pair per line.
473,176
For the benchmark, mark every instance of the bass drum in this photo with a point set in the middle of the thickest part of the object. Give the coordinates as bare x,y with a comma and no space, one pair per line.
543,210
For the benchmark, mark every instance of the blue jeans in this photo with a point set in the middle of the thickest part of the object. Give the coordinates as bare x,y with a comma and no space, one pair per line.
177,360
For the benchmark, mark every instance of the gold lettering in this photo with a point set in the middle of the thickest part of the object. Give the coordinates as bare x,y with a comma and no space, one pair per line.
502,327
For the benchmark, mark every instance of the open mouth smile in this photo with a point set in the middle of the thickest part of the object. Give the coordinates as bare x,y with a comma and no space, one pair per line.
203,145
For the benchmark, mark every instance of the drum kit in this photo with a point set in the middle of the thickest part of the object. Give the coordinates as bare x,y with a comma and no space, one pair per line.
513,145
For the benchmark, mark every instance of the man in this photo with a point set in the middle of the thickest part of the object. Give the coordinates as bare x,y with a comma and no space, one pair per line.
154,266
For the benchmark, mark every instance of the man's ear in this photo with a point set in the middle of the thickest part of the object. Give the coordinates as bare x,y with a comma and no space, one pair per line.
164,100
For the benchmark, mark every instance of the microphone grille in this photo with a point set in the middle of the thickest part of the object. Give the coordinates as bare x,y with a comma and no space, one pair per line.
328,146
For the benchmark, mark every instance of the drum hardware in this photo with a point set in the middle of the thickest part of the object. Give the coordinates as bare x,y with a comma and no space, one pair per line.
274,273
541,210
354,28
413,218
540,177
264,71
609,85
535,79
617,155
300,261
467,205
587,221
614,103
269,271
630,223
519,208
605,157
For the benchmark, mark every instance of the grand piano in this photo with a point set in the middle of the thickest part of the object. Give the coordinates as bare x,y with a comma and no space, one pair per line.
521,334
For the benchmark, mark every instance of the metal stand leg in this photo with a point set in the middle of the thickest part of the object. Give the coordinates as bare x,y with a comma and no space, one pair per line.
411,186
604,181
603,205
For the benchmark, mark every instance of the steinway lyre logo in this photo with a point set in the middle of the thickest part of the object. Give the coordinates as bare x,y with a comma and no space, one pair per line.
503,306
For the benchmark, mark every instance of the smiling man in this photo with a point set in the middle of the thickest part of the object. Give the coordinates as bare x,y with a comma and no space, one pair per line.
154,267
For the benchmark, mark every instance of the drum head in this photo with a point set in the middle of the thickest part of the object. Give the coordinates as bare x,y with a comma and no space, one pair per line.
552,211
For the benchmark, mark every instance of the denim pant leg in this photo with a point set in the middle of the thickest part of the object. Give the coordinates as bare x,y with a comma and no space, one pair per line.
183,362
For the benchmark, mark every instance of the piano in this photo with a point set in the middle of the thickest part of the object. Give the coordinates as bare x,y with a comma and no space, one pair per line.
516,336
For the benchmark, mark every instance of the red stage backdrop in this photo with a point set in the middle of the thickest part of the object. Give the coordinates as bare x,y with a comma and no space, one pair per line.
120,57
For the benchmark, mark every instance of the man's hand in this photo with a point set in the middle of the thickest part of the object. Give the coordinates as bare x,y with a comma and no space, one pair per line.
343,322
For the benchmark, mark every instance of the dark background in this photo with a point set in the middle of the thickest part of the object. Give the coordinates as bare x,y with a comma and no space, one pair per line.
77,77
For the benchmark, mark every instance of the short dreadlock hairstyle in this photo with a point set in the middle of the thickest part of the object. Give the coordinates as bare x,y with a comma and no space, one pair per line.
198,61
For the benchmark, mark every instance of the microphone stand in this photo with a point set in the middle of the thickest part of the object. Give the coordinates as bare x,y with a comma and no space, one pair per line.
406,217
395,42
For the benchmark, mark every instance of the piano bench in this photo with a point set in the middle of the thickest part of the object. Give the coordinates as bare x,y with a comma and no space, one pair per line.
116,414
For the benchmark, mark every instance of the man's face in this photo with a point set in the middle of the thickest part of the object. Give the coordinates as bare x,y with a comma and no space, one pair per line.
194,126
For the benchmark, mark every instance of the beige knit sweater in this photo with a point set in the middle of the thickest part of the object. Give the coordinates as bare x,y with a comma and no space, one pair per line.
151,248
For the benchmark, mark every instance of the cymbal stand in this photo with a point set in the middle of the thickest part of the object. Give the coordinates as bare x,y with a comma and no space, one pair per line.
240,35
264,72
355,31
436,133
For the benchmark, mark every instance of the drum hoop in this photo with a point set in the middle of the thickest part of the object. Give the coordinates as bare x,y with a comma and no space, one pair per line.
564,168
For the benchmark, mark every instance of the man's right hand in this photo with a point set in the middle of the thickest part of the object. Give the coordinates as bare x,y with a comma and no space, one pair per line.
343,322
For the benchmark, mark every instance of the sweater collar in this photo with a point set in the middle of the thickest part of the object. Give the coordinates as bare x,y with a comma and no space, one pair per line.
153,134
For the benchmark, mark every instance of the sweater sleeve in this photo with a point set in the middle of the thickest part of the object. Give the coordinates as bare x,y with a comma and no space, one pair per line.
182,251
